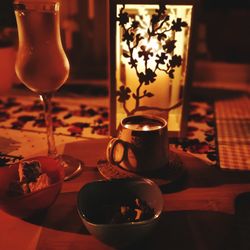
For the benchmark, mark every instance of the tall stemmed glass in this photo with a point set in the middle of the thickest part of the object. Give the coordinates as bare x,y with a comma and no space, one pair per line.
41,62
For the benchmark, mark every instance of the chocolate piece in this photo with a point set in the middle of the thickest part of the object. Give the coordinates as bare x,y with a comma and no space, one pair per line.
31,179
29,171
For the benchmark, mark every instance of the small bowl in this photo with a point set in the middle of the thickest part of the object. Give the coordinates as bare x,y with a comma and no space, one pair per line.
28,204
95,195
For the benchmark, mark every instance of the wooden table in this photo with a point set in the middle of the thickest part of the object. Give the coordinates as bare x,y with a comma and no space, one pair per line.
199,214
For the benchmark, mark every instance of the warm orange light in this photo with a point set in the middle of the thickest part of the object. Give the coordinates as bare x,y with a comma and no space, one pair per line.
163,92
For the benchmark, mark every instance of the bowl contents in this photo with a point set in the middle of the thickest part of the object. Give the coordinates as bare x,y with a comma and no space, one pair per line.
133,210
30,179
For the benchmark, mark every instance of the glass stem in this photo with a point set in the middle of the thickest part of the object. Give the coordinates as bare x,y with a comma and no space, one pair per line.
52,152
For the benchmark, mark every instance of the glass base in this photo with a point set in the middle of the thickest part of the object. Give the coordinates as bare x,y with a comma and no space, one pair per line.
72,166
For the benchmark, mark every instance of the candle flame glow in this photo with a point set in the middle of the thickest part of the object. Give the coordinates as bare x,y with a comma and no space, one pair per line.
145,128
153,44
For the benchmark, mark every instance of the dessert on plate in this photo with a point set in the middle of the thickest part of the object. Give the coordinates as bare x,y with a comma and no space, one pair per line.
30,179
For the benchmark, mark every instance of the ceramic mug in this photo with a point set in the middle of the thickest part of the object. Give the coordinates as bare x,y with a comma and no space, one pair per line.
141,144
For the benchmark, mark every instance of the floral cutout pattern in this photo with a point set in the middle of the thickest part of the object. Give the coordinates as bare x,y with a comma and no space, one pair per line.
160,29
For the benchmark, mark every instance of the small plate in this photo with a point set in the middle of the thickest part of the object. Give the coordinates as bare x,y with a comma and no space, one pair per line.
168,176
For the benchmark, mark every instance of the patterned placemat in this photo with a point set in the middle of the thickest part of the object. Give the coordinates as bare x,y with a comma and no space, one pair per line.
233,133
22,127
71,116
201,133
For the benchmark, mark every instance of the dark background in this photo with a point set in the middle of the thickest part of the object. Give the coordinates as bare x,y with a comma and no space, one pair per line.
224,27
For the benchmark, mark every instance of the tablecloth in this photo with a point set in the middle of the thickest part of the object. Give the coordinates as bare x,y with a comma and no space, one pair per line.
22,127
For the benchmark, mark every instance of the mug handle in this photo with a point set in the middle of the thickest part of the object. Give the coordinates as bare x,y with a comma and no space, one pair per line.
113,143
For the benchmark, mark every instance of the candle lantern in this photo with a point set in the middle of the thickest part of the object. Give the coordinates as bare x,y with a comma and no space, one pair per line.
150,60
